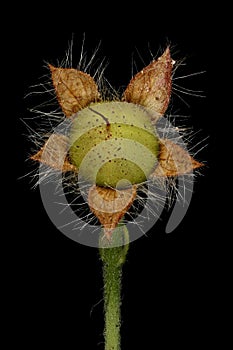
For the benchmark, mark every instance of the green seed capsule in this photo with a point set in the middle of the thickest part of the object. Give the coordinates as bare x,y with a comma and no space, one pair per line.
113,143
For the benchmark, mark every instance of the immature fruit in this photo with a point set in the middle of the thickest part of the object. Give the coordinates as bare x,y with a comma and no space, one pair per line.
113,143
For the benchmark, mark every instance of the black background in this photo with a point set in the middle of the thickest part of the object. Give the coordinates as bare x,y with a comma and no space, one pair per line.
168,279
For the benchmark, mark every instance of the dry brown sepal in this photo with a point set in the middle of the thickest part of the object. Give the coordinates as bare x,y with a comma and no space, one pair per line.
74,88
151,87
54,153
174,160
110,205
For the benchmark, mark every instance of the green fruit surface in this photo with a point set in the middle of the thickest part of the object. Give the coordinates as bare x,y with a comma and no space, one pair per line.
113,143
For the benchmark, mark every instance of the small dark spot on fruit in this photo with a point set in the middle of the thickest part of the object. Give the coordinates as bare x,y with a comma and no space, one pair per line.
77,146
97,120
119,126
118,149
110,161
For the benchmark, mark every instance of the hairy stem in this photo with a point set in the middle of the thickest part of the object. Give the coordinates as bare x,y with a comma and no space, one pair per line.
113,258
112,297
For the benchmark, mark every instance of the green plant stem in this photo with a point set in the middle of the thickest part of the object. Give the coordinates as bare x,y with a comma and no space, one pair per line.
112,300
113,258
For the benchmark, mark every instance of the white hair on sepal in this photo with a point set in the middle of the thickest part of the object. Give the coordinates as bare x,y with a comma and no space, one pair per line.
45,109
179,74
76,193
86,63
151,199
